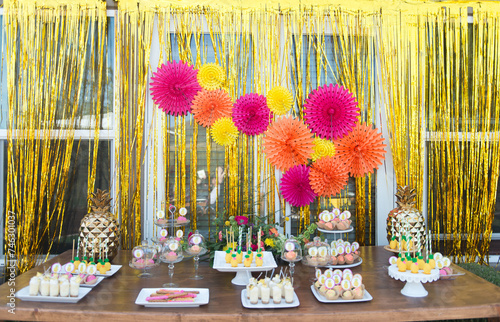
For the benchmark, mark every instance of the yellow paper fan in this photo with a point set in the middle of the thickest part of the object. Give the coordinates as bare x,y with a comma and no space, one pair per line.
322,148
224,132
279,100
211,76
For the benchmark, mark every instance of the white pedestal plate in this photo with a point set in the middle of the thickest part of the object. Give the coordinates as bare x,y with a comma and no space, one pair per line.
243,274
413,286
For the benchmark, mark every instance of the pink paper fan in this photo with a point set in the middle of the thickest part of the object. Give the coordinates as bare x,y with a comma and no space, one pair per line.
331,112
251,114
295,186
173,87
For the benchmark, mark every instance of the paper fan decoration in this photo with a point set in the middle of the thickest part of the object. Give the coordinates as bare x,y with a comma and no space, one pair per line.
251,114
173,87
279,100
295,186
208,106
362,150
211,76
224,132
288,142
328,176
322,148
331,112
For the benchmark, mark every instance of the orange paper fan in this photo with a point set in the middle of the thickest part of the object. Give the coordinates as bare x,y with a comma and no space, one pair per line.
362,150
328,176
288,142
211,105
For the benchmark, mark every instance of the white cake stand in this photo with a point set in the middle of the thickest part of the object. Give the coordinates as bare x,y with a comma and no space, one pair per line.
243,274
413,286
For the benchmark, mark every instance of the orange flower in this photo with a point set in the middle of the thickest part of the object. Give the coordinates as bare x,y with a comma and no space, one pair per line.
273,232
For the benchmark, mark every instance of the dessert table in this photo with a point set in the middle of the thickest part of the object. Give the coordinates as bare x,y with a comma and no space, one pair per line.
465,297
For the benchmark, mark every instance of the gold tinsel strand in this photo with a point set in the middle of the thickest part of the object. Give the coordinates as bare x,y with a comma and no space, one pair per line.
46,42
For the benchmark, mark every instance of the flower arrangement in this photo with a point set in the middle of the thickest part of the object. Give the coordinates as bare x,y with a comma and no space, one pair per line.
275,241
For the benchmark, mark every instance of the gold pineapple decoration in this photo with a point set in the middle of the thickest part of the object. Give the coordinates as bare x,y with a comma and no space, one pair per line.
99,228
406,211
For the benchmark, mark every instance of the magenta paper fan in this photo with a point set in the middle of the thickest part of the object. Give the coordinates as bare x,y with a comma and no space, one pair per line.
295,186
174,86
251,114
331,112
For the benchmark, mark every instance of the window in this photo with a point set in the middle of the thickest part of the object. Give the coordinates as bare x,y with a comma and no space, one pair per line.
75,198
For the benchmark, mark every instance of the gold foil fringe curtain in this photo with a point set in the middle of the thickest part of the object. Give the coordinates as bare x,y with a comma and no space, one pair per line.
133,40
49,50
443,107
383,43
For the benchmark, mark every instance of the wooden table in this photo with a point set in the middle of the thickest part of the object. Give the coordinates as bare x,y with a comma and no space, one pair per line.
467,296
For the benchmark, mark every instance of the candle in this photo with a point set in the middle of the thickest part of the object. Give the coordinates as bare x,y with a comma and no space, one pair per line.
393,230
400,240
427,247
430,242
240,232
78,247
258,240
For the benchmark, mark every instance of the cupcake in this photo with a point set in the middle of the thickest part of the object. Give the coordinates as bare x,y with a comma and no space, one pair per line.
171,256
138,263
313,261
321,224
329,226
347,295
343,225
291,256
195,249
338,289
161,221
181,219
340,260
322,261
322,290
331,295
333,260
349,259
358,293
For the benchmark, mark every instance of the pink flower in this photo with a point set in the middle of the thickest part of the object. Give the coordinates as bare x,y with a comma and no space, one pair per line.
190,233
241,220
254,247
220,235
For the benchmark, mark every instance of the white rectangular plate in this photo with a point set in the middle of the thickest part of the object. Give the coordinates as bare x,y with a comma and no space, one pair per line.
283,305
111,272
24,294
201,299
451,276
220,263
321,298
99,280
